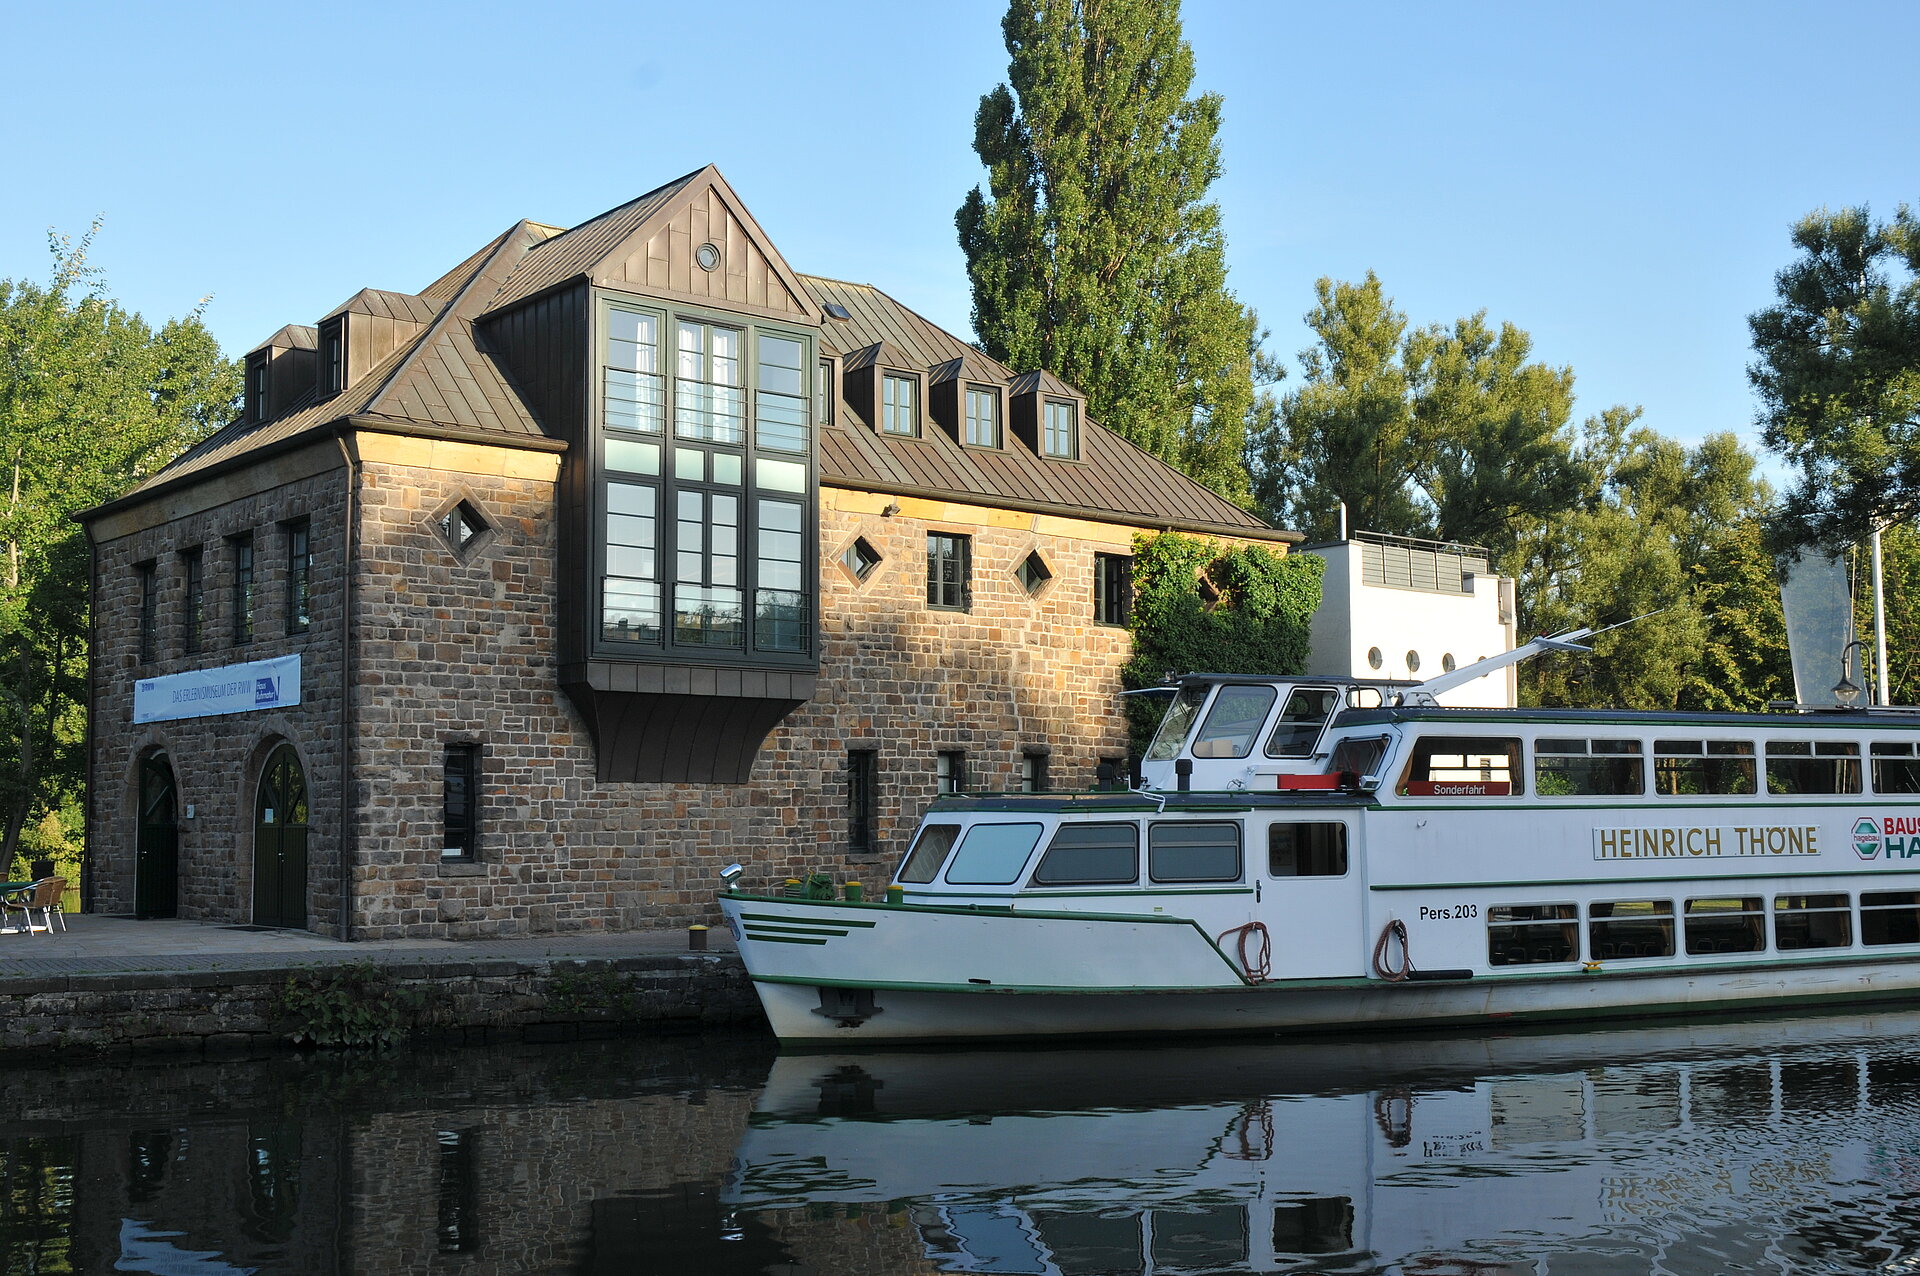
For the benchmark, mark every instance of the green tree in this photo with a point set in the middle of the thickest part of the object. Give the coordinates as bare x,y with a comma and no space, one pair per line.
92,400
1094,252
1838,374
1444,431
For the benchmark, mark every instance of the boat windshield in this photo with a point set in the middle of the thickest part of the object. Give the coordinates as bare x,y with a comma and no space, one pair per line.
929,853
1307,711
1179,720
1235,719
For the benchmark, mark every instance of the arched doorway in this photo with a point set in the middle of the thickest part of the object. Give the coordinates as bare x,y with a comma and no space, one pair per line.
280,842
156,843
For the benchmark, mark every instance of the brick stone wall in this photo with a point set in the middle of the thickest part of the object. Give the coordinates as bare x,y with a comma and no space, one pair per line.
456,646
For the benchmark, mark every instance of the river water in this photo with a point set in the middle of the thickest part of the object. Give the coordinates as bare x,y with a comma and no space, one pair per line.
1786,1145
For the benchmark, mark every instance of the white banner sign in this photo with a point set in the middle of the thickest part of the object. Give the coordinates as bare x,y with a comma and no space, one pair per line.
206,693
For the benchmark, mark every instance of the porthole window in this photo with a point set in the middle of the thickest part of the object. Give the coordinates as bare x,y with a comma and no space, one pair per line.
1374,658
1446,663
1413,662
708,256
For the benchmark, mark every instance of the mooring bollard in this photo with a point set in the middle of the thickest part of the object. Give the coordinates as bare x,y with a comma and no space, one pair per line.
696,939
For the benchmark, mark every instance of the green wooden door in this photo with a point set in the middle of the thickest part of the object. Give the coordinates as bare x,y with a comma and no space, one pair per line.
280,843
156,846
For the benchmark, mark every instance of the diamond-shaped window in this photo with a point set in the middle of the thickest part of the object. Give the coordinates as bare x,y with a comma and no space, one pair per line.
1033,573
860,558
462,525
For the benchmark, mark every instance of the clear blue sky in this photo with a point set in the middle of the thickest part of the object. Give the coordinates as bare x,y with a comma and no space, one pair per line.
1618,180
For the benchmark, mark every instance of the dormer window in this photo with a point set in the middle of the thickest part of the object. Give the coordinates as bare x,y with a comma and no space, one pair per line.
257,385
900,406
333,356
1061,438
983,417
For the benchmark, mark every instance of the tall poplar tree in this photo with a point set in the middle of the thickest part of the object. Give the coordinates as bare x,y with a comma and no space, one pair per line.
1094,252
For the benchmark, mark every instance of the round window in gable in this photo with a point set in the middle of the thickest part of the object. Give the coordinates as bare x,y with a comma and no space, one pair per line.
1374,658
708,255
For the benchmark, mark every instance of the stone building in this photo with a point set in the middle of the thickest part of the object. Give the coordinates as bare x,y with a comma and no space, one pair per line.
527,601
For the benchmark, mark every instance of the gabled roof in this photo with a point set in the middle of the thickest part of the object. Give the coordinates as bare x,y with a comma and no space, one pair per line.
293,336
1043,382
390,305
575,252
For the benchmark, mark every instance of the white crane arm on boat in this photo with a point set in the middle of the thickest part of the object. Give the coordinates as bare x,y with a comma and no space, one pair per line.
1426,692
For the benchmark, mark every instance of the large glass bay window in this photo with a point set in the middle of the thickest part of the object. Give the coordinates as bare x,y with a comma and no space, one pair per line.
706,527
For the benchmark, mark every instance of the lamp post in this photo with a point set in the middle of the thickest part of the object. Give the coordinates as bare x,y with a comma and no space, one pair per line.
1846,691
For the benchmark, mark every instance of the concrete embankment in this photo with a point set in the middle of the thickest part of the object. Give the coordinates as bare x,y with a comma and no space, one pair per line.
114,986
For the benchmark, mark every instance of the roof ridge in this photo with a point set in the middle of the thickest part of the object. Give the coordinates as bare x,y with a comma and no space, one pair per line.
602,216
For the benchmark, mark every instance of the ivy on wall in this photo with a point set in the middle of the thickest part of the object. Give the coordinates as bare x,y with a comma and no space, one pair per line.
1203,607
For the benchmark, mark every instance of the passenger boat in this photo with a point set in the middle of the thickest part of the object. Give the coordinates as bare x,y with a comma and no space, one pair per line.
1311,854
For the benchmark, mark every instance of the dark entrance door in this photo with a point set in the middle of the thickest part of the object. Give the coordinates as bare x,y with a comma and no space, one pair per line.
156,843
280,843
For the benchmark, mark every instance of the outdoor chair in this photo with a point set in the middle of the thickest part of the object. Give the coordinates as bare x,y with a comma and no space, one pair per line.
43,898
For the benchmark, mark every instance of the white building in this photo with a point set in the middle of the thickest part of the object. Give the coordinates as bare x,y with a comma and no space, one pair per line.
1396,607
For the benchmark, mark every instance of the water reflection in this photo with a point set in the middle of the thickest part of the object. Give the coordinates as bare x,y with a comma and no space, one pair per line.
1777,1146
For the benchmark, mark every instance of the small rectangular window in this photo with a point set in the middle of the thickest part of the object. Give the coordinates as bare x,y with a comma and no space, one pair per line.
193,563
949,569
1726,924
1630,928
1091,854
1033,773
149,610
460,802
950,771
1698,768
1802,766
257,386
1531,934
1895,768
1812,921
863,771
333,356
823,394
1570,768
299,576
929,852
983,417
1062,437
1184,851
992,854
242,601
1112,589
1463,766
1359,755
1317,849
899,406
1889,917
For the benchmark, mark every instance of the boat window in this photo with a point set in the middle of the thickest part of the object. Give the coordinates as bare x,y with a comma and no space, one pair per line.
1802,766
1179,720
1695,768
992,854
1185,851
1728,924
1232,723
1301,722
1462,766
1307,850
1527,934
1630,928
929,853
1890,917
1895,768
1362,756
1812,921
1084,854
1567,768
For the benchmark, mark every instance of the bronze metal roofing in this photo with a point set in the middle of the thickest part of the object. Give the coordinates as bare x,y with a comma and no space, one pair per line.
1112,478
390,305
294,336
575,252
440,380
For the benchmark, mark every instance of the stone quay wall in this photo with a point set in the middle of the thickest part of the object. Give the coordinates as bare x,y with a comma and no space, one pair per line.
475,1001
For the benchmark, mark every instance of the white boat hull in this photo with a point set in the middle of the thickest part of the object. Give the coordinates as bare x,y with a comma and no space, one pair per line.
878,990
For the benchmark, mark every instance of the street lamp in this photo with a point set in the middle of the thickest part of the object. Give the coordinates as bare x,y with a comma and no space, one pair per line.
1845,691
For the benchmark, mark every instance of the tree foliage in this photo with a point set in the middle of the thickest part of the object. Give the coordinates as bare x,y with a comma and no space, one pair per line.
1838,375
1201,606
92,400
1447,431
1094,252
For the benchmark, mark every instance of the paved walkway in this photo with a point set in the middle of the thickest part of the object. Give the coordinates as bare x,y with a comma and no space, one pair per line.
115,945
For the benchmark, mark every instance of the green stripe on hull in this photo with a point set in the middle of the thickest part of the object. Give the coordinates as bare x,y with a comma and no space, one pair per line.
782,939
